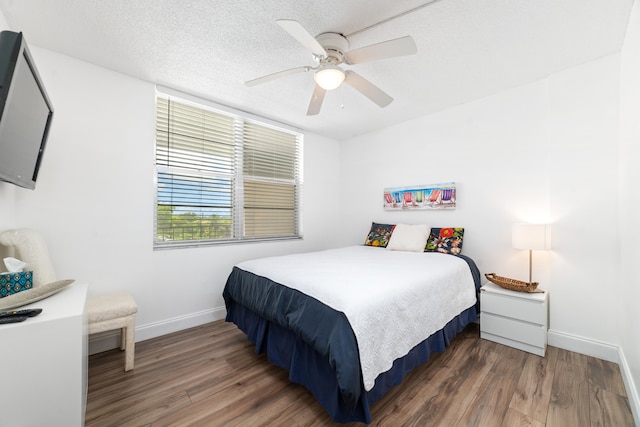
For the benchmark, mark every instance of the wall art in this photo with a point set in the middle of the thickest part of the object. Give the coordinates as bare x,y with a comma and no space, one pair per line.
432,196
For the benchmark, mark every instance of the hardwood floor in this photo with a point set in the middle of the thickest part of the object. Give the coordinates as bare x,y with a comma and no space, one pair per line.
211,376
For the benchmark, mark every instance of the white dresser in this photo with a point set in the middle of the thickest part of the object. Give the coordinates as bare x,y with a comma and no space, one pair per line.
516,319
43,362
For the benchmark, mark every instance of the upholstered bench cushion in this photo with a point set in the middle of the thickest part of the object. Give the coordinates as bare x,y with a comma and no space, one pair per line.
111,306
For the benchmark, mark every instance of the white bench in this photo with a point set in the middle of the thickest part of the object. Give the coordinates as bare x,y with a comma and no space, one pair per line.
115,311
105,313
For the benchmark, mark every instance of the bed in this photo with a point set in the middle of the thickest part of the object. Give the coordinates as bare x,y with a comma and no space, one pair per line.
349,323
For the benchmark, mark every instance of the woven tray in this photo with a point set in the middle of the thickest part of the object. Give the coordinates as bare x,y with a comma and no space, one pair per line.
511,284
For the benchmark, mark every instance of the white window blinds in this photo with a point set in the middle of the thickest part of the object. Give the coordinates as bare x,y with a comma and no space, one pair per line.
223,178
270,168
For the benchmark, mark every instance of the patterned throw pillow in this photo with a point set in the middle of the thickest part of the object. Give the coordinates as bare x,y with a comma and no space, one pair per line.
379,235
445,240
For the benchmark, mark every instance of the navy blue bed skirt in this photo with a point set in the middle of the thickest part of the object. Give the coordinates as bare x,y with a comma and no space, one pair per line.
312,370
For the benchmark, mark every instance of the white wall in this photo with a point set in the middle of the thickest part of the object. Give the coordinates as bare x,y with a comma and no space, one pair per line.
95,195
584,111
629,226
542,152
495,151
7,204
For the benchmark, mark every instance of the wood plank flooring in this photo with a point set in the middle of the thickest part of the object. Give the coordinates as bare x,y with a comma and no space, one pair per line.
211,376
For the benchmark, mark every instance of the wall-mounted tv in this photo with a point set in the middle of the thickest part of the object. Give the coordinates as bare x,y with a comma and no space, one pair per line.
25,113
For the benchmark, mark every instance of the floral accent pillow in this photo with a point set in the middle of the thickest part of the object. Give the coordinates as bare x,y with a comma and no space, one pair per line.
445,240
379,235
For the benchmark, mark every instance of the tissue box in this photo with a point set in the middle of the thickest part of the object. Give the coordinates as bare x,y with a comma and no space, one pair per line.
12,283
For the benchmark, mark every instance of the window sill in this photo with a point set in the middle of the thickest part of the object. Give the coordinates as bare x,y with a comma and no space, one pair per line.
159,246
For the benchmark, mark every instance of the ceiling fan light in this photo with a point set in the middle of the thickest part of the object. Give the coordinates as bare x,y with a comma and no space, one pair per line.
329,78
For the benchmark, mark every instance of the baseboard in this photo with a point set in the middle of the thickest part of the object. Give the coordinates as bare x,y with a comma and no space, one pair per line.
111,339
630,386
103,341
582,345
153,330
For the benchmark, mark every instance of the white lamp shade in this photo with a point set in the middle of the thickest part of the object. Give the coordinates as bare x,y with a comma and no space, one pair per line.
329,77
530,236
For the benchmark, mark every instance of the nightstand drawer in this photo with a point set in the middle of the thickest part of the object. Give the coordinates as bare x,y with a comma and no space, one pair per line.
508,306
516,330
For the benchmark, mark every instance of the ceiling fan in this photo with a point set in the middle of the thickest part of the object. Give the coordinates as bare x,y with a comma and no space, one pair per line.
330,50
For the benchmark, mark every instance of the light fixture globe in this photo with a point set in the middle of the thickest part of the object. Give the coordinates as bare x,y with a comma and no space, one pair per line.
329,77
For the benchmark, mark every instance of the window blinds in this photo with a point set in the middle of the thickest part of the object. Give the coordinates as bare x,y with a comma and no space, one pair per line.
222,178
270,170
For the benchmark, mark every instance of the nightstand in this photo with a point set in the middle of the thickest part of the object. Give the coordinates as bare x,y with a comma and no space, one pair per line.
516,319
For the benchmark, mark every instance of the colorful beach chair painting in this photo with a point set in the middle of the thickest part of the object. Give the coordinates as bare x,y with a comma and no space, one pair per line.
434,196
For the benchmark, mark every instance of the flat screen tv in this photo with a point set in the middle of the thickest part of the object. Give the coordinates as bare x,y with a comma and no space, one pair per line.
25,113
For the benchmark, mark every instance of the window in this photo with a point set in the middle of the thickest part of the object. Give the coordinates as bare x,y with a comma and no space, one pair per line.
222,177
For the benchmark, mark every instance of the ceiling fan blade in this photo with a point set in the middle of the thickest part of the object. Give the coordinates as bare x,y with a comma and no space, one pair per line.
277,75
367,88
316,101
298,32
383,50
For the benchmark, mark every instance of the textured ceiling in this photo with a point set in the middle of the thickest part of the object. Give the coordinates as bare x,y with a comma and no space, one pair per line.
467,49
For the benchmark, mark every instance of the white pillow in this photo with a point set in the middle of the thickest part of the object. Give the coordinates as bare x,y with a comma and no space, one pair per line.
410,238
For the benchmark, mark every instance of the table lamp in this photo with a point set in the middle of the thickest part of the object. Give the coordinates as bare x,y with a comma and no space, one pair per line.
530,237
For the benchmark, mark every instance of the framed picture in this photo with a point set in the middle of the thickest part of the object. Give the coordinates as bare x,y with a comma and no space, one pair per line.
432,196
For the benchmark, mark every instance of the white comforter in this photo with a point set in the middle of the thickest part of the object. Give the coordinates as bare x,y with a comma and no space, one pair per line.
393,300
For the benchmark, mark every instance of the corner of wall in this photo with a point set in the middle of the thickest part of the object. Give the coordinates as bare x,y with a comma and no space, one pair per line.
602,351
630,386
4,25
629,207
